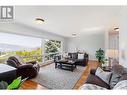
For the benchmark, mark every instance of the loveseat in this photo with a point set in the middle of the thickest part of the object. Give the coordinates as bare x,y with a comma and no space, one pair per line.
79,61
117,80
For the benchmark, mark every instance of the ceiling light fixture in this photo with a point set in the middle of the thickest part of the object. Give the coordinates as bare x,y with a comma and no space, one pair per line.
116,29
74,34
39,20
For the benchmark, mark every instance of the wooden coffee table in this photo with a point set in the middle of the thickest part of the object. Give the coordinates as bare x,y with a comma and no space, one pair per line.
65,64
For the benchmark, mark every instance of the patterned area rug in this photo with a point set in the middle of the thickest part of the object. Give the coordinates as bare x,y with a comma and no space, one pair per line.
57,78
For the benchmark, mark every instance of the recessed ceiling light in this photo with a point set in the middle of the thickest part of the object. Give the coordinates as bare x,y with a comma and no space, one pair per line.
74,34
39,20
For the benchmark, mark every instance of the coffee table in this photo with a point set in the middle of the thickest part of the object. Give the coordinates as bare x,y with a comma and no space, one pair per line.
66,65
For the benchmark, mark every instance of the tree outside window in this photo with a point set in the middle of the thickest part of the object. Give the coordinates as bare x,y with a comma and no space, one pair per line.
52,47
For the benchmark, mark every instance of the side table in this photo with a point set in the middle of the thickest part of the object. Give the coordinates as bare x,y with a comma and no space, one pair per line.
106,68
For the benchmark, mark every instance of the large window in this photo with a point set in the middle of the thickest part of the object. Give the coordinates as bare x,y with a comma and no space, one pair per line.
28,48
25,47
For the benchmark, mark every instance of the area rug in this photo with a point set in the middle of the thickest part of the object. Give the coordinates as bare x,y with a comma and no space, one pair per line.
53,78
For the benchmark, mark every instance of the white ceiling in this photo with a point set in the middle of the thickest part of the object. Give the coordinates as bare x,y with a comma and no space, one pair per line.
66,20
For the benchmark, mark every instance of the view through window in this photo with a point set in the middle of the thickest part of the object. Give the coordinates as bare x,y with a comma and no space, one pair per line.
25,47
52,48
28,48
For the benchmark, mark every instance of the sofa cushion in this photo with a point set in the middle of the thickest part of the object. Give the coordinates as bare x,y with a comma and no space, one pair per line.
79,60
123,77
91,87
73,55
121,85
92,79
80,56
118,69
105,76
117,72
114,80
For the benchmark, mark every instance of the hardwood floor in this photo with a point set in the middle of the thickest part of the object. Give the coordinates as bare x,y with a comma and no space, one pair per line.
33,85
91,65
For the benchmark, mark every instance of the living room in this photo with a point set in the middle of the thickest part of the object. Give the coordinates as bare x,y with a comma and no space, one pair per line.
80,31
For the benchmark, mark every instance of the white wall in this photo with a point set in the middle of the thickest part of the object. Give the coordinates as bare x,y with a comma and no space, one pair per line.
123,37
20,29
87,43
106,43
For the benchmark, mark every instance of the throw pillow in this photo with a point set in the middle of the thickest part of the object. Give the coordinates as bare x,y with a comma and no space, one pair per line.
105,76
80,56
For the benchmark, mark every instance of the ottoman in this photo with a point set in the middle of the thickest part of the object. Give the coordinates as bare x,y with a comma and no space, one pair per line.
7,73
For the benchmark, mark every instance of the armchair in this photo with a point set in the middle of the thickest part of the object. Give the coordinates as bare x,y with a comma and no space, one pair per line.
25,70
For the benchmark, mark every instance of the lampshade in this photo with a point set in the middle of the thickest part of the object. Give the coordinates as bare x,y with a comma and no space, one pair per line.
112,53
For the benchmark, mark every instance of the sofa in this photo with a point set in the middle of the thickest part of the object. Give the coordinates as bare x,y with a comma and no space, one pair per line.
117,80
79,61
26,70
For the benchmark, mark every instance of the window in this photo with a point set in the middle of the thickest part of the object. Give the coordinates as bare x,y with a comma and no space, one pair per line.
28,48
25,47
52,48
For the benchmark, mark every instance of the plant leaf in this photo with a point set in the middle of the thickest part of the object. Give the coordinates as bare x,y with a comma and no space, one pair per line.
15,84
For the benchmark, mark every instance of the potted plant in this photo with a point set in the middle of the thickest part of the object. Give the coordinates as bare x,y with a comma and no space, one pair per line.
100,56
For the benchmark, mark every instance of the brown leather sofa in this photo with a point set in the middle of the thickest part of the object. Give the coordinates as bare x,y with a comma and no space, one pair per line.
26,70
